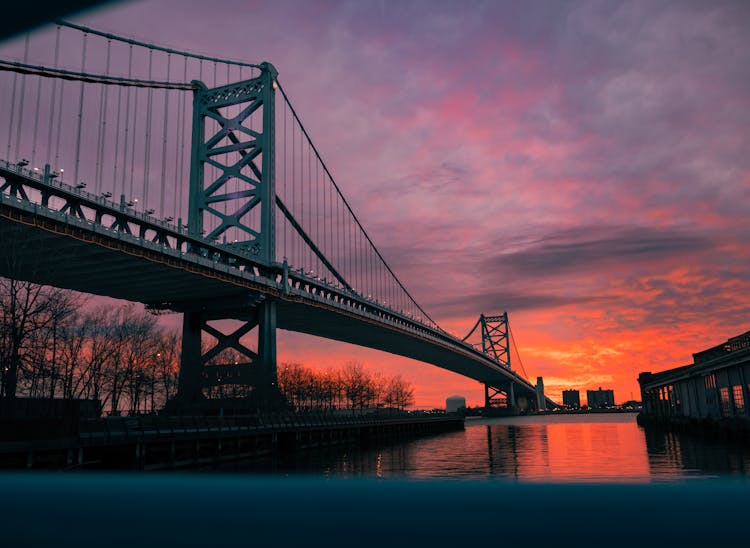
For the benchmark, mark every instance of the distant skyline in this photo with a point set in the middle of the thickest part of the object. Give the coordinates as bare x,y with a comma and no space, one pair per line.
583,165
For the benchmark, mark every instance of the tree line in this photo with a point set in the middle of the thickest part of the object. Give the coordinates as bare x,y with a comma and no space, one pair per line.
54,346
51,346
350,387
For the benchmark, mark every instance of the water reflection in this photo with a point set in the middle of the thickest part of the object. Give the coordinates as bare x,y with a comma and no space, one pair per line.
566,448
691,456
563,448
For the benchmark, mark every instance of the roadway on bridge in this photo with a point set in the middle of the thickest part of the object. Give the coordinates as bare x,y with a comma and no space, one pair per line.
65,254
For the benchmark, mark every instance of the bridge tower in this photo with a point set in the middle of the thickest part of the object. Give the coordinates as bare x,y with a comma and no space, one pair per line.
496,344
232,193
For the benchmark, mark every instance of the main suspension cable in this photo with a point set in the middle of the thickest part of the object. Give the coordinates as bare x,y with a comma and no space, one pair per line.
513,340
346,203
25,68
152,46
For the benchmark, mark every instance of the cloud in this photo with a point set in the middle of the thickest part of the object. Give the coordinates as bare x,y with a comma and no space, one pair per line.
494,301
587,248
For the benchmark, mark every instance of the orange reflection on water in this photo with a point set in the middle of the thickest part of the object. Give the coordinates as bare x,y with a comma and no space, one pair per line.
571,448
594,447
560,448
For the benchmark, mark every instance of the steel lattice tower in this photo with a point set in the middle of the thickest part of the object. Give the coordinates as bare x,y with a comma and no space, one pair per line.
225,149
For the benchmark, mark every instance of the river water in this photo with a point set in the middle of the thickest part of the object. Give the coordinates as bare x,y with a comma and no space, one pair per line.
541,479
552,448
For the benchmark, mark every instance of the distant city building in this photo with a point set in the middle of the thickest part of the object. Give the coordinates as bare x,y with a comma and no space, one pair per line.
454,403
572,399
598,399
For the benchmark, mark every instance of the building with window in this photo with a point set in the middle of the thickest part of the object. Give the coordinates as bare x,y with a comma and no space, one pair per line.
571,399
599,399
714,386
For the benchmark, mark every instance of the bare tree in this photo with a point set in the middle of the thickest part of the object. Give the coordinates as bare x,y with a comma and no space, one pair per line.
167,369
29,314
133,349
308,390
399,393
358,385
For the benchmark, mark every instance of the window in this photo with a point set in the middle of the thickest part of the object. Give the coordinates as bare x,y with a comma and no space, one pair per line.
724,402
739,399
710,381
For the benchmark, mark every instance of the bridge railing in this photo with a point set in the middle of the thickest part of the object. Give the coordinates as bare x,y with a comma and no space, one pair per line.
212,255
153,232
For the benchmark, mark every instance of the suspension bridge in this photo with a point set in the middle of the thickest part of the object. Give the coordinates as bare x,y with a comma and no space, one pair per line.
189,183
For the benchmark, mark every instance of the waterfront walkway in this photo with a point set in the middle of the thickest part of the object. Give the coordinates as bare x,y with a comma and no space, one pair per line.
159,442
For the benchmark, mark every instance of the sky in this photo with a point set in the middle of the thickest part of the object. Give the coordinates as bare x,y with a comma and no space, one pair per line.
584,166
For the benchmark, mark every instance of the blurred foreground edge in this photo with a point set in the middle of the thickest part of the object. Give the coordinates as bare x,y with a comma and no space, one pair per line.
136,509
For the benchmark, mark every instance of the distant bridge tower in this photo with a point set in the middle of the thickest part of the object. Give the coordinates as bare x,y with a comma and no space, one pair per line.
495,339
495,343
232,188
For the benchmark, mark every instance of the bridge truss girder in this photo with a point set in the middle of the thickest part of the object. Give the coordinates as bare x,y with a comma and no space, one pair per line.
498,397
202,368
495,340
495,333
235,155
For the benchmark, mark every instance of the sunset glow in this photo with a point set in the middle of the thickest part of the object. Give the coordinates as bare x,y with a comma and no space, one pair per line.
583,166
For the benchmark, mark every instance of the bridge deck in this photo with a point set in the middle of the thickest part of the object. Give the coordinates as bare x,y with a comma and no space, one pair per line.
52,248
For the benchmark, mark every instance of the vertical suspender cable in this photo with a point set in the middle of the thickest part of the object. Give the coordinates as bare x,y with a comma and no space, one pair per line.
127,121
149,113
12,114
286,176
301,202
383,282
309,204
294,184
326,247
180,158
102,124
134,136
362,266
36,119
331,252
162,205
23,96
318,242
52,96
179,137
80,113
117,142
59,124
368,288
341,235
